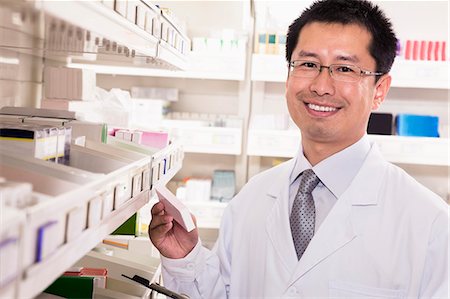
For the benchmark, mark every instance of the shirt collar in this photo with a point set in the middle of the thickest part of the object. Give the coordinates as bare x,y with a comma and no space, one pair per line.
348,162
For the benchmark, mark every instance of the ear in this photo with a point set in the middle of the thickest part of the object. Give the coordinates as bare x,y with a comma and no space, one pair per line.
381,90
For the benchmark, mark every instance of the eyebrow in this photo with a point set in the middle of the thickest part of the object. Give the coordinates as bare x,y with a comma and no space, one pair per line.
349,58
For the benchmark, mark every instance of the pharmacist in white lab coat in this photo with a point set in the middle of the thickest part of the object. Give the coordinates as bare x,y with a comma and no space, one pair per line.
377,232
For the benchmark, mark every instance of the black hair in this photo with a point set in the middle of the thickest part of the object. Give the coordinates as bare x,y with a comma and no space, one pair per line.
360,12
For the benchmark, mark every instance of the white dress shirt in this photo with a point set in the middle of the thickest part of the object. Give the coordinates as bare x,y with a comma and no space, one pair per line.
346,162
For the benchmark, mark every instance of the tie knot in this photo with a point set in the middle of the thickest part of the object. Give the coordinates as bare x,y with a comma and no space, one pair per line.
308,181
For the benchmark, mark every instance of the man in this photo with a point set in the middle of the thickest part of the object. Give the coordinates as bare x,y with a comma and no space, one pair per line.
337,220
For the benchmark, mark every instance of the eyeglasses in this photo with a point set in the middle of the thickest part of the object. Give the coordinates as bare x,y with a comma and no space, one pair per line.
339,72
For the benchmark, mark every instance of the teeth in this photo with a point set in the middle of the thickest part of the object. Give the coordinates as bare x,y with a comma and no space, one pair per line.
321,108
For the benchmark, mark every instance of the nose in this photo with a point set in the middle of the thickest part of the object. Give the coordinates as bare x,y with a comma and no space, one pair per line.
323,84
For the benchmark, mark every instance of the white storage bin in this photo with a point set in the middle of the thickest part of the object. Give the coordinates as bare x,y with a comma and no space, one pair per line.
12,223
164,164
79,196
116,168
71,215
140,180
46,219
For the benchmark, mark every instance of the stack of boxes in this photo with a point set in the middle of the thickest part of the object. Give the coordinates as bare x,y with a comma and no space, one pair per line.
270,43
44,142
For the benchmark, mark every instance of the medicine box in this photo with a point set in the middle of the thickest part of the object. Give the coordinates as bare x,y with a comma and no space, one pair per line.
141,10
380,124
17,195
120,6
131,10
223,185
64,135
417,125
69,83
30,140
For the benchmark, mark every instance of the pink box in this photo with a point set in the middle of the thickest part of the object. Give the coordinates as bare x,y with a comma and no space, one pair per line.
430,50
156,139
416,50
443,55
436,50
423,50
408,50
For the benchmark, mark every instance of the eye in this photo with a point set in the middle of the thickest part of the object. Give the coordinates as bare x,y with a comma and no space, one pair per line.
344,69
307,65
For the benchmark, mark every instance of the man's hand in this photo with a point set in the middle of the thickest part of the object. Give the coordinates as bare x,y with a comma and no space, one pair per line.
170,238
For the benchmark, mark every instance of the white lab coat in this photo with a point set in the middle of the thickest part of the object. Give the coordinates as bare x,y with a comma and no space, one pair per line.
386,237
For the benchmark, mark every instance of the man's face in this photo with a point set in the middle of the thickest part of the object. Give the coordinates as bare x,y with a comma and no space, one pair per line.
327,111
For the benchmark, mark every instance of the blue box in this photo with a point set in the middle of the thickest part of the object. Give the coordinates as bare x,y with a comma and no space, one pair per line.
417,125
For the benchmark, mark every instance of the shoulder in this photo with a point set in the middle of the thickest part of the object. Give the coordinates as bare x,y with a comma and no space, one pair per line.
411,194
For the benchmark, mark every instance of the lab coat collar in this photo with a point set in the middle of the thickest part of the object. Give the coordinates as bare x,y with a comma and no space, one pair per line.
281,180
339,227
367,183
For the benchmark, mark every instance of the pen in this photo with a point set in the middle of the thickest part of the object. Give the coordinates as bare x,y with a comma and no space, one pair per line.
156,287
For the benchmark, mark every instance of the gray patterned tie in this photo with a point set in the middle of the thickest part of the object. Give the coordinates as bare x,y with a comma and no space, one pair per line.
303,214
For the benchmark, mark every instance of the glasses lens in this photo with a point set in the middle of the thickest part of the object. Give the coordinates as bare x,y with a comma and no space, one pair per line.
345,73
305,69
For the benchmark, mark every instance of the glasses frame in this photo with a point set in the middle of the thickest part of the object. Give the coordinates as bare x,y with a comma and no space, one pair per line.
362,72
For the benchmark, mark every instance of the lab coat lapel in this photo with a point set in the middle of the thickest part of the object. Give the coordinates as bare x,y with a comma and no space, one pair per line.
277,225
334,233
341,225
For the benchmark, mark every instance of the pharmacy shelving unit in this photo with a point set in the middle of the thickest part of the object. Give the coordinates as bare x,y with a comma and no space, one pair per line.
147,32
206,139
396,149
227,70
207,213
273,143
75,206
224,68
200,65
79,205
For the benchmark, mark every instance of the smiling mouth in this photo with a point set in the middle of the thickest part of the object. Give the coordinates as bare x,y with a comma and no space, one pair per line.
321,108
